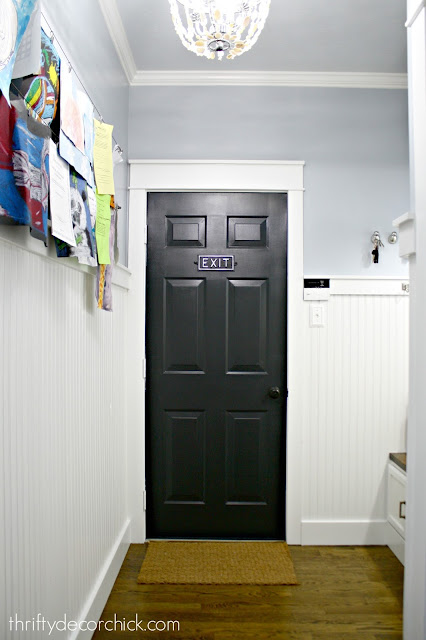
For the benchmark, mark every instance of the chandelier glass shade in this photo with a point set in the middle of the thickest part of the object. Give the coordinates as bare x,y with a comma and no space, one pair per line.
219,28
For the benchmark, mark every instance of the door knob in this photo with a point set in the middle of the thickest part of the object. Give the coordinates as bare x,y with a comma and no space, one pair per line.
274,392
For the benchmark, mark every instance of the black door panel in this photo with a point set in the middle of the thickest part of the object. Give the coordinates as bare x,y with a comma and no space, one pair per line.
216,344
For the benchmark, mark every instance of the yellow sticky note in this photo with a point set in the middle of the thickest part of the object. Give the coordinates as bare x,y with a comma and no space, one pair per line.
103,225
102,157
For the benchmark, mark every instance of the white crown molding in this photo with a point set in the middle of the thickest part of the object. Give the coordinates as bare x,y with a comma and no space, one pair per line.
119,37
411,20
140,78
271,79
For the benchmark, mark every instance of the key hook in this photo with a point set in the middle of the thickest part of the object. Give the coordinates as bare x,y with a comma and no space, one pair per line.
376,240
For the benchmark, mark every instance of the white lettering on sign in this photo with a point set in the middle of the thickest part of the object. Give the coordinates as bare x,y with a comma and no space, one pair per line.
216,263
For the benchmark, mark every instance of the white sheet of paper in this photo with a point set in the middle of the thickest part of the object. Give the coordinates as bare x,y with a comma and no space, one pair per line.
71,115
91,196
60,201
86,107
27,60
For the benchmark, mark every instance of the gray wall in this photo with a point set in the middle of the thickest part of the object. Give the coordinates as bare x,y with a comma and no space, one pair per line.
80,30
354,143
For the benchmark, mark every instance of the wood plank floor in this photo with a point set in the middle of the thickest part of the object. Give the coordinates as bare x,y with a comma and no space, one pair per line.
350,593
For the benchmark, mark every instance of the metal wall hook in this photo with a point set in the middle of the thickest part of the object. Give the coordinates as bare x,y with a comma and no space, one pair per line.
393,238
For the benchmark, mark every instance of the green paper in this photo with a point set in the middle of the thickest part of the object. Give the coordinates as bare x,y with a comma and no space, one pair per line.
103,224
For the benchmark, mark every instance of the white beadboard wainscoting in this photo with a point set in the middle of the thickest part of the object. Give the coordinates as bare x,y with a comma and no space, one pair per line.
355,409
64,513
71,396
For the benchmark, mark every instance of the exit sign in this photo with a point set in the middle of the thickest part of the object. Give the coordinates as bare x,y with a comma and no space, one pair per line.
216,263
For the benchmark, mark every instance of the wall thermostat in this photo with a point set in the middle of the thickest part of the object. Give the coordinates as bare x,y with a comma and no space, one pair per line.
316,288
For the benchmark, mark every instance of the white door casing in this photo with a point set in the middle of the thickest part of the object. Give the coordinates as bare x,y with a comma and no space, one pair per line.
198,175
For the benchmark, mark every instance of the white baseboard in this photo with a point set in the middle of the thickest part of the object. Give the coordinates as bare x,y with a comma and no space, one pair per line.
98,597
343,532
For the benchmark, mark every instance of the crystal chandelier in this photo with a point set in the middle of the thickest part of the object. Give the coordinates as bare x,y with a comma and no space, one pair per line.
213,28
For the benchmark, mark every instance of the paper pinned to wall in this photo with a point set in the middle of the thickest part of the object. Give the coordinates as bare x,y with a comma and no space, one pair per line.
71,116
91,196
13,208
86,107
60,203
75,158
103,225
41,91
24,162
102,154
27,60
23,169
76,137
84,250
31,167
104,276
14,19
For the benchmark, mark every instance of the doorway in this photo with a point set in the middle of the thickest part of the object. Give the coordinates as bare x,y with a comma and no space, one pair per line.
216,365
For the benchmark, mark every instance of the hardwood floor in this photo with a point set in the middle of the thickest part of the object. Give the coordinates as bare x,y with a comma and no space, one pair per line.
350,593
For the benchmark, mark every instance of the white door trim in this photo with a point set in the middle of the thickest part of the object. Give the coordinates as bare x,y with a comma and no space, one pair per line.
195,175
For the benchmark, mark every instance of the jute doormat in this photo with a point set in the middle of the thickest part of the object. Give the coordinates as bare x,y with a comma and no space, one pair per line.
258,563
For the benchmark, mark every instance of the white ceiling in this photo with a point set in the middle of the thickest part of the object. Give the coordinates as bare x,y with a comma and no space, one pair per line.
346,36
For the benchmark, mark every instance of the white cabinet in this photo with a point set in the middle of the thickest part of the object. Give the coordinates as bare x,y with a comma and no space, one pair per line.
395,527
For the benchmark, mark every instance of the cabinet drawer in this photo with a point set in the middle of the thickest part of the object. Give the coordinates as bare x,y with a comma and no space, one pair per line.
396,498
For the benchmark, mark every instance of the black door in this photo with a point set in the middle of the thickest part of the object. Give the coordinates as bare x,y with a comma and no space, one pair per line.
216,370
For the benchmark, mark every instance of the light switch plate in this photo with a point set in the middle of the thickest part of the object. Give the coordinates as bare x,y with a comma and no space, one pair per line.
317,315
